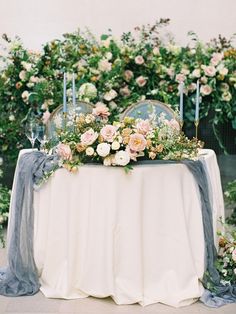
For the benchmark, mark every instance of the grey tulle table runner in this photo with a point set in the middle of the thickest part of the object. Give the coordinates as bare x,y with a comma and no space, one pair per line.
20,277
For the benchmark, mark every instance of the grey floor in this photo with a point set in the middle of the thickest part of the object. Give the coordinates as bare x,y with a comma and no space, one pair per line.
38,304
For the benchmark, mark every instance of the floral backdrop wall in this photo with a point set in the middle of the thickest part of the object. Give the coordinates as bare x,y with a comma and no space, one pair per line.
116,72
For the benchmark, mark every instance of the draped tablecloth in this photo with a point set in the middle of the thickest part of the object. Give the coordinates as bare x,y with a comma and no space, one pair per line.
136,237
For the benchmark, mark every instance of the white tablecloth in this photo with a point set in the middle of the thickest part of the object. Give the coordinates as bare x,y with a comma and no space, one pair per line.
137,237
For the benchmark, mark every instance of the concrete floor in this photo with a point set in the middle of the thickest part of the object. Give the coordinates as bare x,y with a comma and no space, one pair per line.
38,304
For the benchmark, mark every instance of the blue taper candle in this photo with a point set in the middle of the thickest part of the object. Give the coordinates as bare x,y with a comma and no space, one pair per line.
197,103
64,94
73,90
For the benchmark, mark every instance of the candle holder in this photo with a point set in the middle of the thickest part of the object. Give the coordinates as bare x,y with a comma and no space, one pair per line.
196,123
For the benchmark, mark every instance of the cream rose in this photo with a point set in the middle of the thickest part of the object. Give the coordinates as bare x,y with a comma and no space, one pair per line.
89,151
180,77
103,149
115,145
22,75
196,73
110,95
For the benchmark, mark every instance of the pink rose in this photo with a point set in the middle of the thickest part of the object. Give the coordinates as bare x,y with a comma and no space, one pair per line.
205,90
132,154
143,126
101,110
64,151
139,60
216,58
128,75
89,137
108,132
125,91
137,142
46,116
180,77
209,70
141,81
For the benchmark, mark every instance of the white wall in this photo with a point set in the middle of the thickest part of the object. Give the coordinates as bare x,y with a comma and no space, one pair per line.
38,21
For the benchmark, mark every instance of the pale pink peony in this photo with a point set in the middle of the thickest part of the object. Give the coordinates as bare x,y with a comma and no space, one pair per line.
108,132
141,81
128,75
101,110
180,77
139,60
216,58
64,151
46,116
137,142
143,126
89,137
205,90
209,70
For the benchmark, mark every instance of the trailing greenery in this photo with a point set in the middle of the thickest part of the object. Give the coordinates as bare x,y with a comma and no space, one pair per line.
230,198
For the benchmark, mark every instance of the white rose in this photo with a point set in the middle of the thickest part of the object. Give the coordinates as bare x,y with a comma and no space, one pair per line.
223,71
110,95
25,95
103,149
89,151
27,66
12,117
122,158
108,55
115,145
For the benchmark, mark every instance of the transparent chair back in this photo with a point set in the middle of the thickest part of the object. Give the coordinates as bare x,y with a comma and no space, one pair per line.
57,117
143,109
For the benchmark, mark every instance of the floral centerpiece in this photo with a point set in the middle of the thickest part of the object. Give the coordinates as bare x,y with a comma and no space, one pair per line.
92,138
